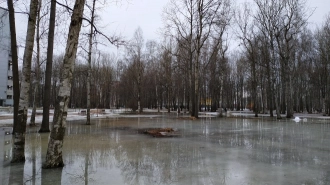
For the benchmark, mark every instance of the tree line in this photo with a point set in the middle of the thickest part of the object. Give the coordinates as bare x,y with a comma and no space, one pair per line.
280,66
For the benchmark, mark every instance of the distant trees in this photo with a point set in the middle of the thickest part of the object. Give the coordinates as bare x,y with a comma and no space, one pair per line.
280,65
322,65
192,24
193,69
135,49
270,36
274,71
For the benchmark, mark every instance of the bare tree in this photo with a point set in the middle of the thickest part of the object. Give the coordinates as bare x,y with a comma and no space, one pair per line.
179,23
13,46
249,38
135,50
90,45
55,144
323,65
48,73
167,75
291,22
267,17
19,136
193,22
37,71
281,22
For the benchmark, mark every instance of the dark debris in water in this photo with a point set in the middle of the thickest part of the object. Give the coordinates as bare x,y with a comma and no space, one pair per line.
160,132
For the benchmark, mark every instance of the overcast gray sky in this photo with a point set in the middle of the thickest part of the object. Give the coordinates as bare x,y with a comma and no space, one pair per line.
147,14
125,17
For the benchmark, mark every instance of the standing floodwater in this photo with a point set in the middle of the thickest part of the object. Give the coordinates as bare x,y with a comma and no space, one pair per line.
207,151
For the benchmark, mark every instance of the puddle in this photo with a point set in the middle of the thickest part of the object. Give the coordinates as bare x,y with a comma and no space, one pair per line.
225,151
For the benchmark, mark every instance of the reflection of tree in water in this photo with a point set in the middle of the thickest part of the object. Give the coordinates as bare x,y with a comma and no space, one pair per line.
31,171
277,145
193,159
81,151
147,162
33,157
165,162
154,161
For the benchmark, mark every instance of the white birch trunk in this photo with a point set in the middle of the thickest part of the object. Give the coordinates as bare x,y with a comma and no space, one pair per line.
19,136
139,86
55,145
88,118
34,109
324,102
220,99
36,84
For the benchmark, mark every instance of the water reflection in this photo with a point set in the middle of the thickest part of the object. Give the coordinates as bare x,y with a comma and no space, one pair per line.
209,151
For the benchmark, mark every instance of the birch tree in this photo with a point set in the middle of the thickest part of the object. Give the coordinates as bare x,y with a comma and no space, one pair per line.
55,145
135,49
19,136
90,46
36,82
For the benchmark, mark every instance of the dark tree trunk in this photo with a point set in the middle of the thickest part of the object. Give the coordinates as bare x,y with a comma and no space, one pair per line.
13,45
48,73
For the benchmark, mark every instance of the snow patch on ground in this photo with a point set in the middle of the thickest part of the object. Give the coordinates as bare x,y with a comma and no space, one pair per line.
6,114
6,118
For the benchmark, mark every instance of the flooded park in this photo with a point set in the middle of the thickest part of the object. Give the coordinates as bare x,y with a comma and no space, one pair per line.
210,150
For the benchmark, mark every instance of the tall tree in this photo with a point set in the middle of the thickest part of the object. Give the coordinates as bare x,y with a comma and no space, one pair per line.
36,82
90,46
167,67
291,23
323,64
13,47
55,145
193,22
179,23
248,37
19,135
48,73
267,17
135,50
281,22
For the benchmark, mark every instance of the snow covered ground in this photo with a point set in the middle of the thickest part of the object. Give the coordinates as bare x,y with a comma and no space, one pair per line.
6,115
296,115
